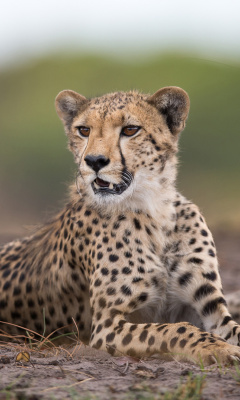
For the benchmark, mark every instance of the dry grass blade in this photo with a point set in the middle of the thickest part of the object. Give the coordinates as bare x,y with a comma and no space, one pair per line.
66,386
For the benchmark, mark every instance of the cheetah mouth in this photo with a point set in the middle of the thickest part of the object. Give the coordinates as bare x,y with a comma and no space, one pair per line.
102,187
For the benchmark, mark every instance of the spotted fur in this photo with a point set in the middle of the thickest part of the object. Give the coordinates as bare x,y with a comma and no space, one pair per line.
134,264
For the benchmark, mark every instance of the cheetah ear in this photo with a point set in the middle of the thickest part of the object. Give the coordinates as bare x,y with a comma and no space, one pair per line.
68,103
173,103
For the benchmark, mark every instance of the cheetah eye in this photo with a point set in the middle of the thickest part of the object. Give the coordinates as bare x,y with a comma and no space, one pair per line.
83,131
130,130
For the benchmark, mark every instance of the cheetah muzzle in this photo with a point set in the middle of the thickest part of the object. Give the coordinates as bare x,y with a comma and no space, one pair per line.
104,188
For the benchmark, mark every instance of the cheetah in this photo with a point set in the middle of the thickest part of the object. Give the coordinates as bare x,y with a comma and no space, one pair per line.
129,259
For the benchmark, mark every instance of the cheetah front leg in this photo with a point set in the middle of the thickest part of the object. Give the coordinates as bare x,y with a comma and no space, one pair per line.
179,341
194,276
113,304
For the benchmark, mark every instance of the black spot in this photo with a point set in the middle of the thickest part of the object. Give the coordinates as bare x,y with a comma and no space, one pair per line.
75,277
126,290
73,253
174,266
164,347
226,320
204,291
143,336
31,303
3,304
104,271
97,282
64,309
87,213
99,328
22,277
99,255
137,279
113,257
127,339
13,257
137,224
148,231
108,323
119,245
6,273
15,315
182,329
7,285
111,291
114,272
89,230
204,233
211,306
40,301
228,336
212,276
102,302
182,343
110,337
161,327
185,279
105,239
14,275
143,297
192,241
51,311
118,302
116,225
33,315
211,253
99,315
128,254
198,250
195,260
151,340
126,270
87,241
16,291
173,341
98,344
18,303
126,240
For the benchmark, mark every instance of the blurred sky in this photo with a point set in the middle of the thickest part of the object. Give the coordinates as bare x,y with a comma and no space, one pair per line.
33,28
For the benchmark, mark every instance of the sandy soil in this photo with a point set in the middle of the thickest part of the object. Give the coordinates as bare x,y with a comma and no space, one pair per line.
83,373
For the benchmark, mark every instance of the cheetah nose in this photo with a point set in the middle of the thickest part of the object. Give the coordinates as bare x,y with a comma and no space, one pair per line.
96,162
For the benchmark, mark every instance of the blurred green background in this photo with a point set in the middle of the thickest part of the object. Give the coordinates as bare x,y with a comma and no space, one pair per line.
35,166
99,46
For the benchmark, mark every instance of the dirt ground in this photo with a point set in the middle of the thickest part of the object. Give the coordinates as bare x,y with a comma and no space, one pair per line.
80,372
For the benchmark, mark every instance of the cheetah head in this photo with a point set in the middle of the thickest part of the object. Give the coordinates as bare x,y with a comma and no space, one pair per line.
124,143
